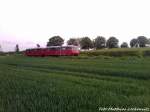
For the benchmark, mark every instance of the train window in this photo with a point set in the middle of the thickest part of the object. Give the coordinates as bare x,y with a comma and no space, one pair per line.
29,50
37,49
68,48
48,48
63,48
32,50
54,48
75,48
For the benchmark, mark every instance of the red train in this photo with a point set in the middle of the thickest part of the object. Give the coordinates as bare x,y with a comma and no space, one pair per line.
53,51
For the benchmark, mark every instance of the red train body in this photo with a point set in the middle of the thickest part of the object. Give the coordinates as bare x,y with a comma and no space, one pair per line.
53,51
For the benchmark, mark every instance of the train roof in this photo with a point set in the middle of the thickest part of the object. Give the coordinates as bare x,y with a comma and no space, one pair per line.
61,46
52,47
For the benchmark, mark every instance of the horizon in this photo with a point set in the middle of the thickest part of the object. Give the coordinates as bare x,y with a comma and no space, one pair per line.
31,22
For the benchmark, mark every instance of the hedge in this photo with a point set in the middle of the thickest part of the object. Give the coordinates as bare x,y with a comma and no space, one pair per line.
117,53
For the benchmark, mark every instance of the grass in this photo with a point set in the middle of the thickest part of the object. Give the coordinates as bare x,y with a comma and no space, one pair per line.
119,52
73,84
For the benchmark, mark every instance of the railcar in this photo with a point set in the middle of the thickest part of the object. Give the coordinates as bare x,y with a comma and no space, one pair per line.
53,51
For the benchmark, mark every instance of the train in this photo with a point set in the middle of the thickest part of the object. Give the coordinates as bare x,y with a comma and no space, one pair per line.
53,51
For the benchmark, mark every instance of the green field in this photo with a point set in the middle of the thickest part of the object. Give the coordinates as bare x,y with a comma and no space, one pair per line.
119,52
73,84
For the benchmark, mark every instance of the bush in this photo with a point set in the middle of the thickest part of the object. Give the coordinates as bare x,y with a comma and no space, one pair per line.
117,52
146,53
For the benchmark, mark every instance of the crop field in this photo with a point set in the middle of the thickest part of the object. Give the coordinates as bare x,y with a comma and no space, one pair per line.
119,52
73,84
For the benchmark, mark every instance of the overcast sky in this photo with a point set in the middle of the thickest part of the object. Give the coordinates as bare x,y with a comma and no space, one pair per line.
28,22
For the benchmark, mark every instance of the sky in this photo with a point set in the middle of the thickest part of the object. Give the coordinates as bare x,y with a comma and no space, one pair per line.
28,22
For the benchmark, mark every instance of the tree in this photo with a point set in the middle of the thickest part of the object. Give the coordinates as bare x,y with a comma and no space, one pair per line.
148,43
86,43
112,42
38,45
17,48
134,43
99,42
142,41
55,41
0,49
124,45
73,41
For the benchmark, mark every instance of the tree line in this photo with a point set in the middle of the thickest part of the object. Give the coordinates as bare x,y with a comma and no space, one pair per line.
99,42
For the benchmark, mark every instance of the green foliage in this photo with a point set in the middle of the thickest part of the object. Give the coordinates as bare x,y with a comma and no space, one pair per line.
115,53
73,84
148,41
17,48
112,42
100,42
86,43
124,45
55,41
73,41
142,41
2,54
146,53
1,49
134,43
118,52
